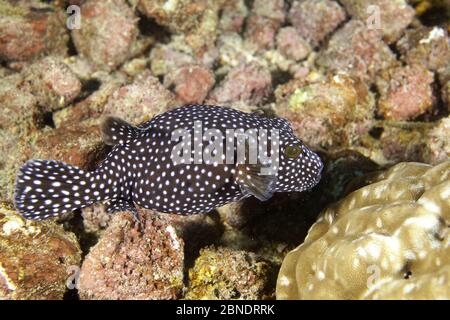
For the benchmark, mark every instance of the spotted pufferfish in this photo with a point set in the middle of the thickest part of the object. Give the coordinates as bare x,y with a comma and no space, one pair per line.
140,171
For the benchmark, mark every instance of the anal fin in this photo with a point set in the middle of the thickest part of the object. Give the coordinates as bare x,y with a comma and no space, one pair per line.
118,205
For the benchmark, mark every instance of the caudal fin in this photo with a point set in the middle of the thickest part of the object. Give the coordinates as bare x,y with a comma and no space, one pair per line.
47,188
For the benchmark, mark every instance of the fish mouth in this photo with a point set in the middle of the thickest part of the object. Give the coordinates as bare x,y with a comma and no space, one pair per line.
318,178
319,174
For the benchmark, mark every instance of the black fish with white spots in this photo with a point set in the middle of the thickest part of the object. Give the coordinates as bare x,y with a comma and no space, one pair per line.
141,169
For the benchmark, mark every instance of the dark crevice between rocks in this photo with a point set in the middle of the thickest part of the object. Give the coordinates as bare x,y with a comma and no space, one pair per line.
85,239
88,87
249,4
438,14
43,119
323,45
376,132
71,294
376,94
219,79
197,236
161,78
148,27
439,109
395,51
71,49
279,77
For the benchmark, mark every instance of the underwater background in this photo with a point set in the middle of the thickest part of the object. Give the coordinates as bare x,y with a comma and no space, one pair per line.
364,83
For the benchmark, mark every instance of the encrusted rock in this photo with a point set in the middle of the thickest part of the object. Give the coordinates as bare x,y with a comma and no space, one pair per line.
387,240
95,218
36,258
427,46
265,19
198,20
52,83
393,16
90,109
395,87
80,145
437,143
444,80
18,106
233,16
316,19
358,50
18,122
291,44
191,83
134,263
109,30
235,51
140,100
397,141
329,113
165,58
31,29
223,273
249,83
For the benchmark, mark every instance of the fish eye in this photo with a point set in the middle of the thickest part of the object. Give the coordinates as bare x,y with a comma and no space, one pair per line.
293,152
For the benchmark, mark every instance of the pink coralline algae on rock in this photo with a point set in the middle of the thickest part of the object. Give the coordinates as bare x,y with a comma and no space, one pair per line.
265,19
109,30
316,19
52,83
357,50
132,263
390,17
30,30
191,83
249,83
429,47
140,100
95,218
291,44
444,81
165,58
326,114
196,20
396,85
233,16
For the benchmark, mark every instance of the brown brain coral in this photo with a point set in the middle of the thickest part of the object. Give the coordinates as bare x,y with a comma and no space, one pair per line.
387,240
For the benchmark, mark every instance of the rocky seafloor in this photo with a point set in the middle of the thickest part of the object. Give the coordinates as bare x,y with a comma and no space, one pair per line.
364,83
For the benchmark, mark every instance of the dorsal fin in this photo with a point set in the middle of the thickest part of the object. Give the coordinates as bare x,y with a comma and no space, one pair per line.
118,131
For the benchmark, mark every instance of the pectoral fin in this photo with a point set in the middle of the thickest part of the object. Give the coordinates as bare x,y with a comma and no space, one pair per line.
251,181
